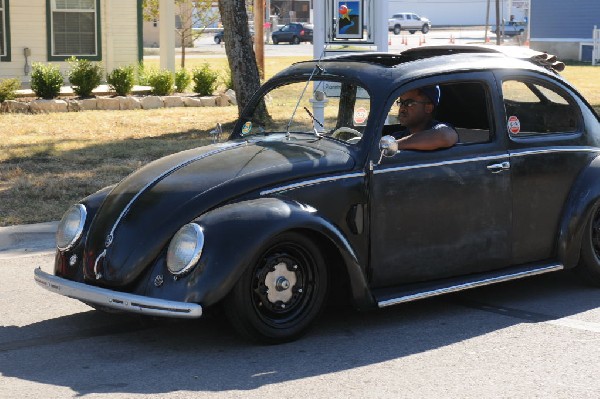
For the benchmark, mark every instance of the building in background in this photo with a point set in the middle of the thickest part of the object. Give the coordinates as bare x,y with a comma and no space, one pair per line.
107,31
461,12
564,28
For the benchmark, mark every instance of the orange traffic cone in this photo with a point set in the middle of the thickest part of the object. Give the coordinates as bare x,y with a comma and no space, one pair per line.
420,42
389,40
487,39
424,41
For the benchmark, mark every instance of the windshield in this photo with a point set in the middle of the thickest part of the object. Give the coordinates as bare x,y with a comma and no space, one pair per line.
323,108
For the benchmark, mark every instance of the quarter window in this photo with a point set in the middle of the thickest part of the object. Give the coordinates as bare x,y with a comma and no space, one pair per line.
74,27
537,108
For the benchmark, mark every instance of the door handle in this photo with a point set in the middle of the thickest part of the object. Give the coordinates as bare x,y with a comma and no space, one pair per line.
499,167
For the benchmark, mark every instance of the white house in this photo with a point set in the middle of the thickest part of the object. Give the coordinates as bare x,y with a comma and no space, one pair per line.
51,31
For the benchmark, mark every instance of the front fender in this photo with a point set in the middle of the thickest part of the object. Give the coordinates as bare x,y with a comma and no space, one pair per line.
234,235
583,200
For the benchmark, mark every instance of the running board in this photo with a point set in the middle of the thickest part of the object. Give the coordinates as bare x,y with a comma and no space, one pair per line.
413,292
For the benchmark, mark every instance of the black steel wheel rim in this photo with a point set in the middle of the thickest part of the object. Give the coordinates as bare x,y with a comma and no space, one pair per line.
284,261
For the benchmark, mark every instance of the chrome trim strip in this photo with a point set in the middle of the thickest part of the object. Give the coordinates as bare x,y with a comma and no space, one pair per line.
163,175
521,153
117,300
452,162
311,182
474,284
490,158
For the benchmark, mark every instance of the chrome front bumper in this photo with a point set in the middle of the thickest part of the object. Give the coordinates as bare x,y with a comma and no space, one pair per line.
117,300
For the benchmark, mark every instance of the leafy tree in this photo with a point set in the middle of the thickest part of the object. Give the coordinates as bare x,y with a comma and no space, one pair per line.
192,18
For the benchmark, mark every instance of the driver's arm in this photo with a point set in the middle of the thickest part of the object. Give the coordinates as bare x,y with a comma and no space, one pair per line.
441,136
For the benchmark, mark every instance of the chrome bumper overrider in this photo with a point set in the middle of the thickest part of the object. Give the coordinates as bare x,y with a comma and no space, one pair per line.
117,300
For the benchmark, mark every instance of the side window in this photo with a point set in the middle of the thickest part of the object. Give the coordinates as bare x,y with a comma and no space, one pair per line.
463,105
538,108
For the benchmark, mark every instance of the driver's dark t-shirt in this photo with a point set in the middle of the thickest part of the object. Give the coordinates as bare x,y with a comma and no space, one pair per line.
434,124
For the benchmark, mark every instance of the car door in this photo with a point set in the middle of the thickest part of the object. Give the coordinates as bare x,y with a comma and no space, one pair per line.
447,212
545,129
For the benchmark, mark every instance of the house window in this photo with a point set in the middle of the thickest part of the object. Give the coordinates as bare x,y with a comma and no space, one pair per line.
74,28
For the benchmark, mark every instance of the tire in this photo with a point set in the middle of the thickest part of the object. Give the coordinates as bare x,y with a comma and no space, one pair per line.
589,263
217,40
425,29
412,32
275,41
295,40
397,30
266,305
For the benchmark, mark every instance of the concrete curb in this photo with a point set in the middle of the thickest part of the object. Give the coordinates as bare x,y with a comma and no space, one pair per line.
28,238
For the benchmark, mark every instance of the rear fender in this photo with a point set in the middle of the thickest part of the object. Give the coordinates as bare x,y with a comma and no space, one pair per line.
233,237
583,200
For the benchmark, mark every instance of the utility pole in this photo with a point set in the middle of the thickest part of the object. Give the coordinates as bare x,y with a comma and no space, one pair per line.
487,21
498,30
259,36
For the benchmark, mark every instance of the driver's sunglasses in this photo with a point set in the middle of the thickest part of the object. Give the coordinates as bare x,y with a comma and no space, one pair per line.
409,103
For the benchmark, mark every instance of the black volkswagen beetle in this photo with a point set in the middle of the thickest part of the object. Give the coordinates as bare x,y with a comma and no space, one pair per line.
309,197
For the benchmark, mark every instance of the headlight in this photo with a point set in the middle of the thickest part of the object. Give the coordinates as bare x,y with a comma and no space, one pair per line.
70,227
185,249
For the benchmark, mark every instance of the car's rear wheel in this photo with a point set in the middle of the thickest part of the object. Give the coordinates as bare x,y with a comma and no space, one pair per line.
589,263
295,40
217,40
397,30
281,292
425,29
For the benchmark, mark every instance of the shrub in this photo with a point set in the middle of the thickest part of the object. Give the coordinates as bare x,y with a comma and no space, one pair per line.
84,76
228,80
142,74
205,80
46,80
161,82
8,88
182,80
121,79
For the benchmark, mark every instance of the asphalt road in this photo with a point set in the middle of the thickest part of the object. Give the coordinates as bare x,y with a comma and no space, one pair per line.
204,47
535,338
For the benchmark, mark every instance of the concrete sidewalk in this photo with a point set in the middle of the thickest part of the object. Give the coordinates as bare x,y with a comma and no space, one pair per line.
27,239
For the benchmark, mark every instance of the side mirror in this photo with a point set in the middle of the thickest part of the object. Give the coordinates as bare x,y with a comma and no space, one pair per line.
388,146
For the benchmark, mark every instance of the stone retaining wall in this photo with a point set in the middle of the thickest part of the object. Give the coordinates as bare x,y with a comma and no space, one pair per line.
116,103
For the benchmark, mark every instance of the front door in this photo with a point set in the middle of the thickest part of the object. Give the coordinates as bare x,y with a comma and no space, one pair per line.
443,213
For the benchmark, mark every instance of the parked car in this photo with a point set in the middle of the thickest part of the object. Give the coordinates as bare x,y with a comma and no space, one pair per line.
511,28
408,21
294,33
220,36
310,199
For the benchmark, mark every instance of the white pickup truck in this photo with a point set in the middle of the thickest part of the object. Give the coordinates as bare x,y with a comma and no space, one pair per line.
408,21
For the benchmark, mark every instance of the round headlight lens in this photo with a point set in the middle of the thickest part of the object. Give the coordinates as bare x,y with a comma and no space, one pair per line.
70,227
185,249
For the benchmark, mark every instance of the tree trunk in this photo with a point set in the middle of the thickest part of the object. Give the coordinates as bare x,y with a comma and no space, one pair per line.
238,47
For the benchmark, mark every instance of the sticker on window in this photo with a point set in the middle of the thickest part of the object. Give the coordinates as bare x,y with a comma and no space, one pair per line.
360,116
247,127
513,125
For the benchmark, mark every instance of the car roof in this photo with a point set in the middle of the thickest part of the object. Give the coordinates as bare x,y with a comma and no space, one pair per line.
429,60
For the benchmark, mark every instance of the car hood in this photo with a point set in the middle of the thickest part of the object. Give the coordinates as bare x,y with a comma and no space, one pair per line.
140,215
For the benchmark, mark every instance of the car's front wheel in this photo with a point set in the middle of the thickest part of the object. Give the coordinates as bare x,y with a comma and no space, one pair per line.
281,293
589,263
217,40
275,40
295,40
397,30
425,29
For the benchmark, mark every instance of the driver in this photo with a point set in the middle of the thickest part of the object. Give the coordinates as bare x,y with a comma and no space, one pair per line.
420,131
